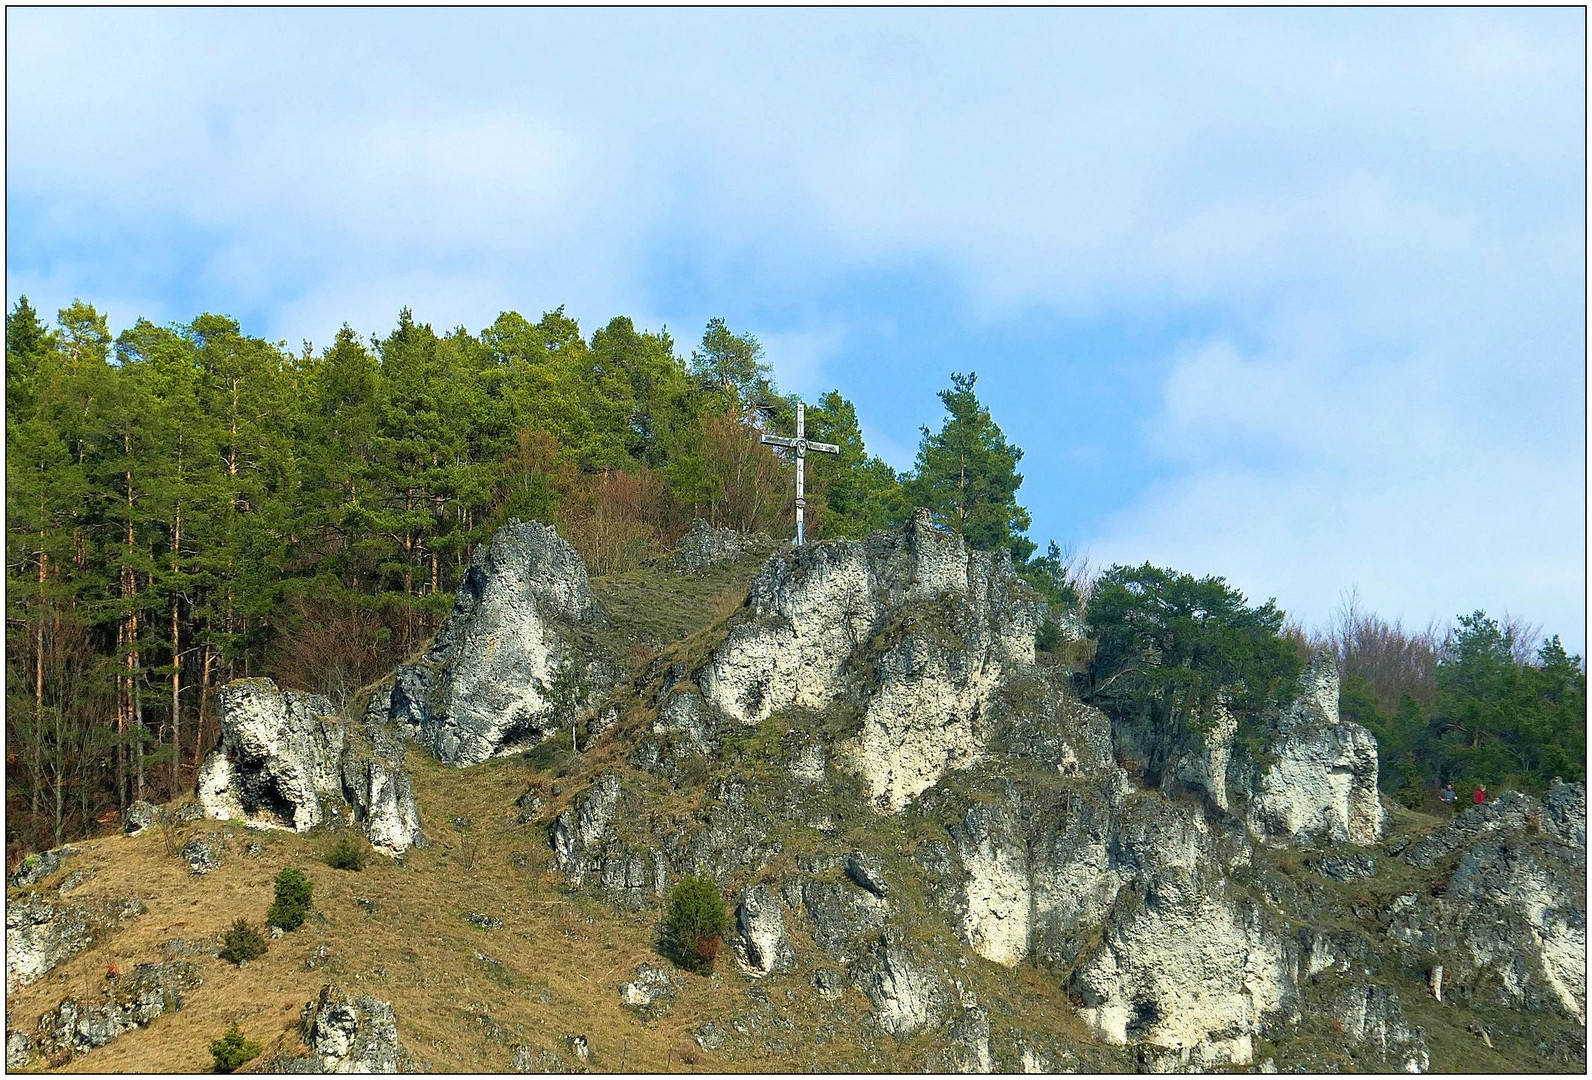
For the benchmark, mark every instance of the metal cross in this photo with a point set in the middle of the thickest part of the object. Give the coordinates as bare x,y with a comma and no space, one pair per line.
801,446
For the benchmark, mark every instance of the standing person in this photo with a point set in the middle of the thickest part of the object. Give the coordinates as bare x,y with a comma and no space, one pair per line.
1448,795
1481,795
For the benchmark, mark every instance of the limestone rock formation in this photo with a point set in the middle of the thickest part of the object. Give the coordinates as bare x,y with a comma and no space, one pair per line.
704,547
278,759
347,1033
510,652
906,994
924,628
1322,780
287,760
1512,917
760,941
41,934
127,1001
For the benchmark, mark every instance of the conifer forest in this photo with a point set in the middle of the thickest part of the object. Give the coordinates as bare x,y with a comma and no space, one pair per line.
189,504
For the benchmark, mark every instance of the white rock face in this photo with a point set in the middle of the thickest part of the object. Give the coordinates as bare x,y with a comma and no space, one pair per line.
760,942
930,626
1322,781
1187,974
279,759
997,916
485,685
287,761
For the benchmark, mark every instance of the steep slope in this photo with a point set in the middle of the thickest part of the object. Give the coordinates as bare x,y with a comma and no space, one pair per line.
933,855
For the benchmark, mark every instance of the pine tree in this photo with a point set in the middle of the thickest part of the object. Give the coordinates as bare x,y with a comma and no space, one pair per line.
966,474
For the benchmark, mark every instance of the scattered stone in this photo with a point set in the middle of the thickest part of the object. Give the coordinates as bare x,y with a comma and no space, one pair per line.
530,807
866,871
704,547
652,992
253,849
710,1036
319,959
276,933
807,764
75,878
140,816
1347,867
188,948
205,853
829,983
19,1050
578,1046
462,823
482,921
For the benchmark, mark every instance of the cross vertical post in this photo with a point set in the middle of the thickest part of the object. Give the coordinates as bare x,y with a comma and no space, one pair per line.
801,445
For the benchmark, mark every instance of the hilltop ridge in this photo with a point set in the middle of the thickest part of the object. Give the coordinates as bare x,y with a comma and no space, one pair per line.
935,854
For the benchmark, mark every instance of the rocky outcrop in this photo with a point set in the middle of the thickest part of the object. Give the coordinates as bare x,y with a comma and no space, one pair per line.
1371,1018
377,787
704,547
1512,917
906,995
1322,775
287,760
1184,969
510,665
346,1033
278,759
924,628
759,940
40,934
128,1001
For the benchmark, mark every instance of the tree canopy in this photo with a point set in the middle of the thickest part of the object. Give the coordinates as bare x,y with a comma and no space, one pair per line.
1174,646
966,474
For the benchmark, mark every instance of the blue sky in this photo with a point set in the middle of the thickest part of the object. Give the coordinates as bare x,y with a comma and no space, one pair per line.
1295,297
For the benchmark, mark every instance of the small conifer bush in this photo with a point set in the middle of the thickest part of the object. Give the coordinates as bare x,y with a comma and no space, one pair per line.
693,928
242,943
294,897
232,1051
346,854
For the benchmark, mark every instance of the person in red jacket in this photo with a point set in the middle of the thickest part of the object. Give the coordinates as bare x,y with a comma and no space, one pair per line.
1480,796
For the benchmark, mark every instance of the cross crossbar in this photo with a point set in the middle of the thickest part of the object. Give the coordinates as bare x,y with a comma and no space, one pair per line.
801,444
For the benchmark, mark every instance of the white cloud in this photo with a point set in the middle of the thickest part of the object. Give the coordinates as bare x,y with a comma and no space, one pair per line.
1372,220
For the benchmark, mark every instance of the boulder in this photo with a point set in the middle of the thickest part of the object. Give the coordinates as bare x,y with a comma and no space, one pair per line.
868,872
760,941
513,643
651,992
205,853
140,816
279,759
38,866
